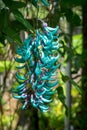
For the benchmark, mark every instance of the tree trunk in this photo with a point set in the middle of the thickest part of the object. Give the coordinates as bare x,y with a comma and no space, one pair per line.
84,70
68,73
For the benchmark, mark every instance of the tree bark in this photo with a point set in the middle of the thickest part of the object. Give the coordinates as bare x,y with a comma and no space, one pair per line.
84,69
68,73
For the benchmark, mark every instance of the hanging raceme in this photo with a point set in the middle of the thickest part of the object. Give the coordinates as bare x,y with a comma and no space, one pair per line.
39,57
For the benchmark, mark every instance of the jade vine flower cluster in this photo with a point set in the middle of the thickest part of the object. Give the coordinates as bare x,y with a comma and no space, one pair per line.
37,74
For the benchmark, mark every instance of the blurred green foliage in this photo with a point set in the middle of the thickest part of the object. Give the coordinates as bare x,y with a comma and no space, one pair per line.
17,16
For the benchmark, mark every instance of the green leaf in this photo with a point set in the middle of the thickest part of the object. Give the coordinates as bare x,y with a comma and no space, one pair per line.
4,18
14,4
76,86
70,3
64,77
76,20
17,26
61,97
6,65
12,35
69,15
21,19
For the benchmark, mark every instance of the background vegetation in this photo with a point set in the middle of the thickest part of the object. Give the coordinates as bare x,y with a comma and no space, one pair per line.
18,18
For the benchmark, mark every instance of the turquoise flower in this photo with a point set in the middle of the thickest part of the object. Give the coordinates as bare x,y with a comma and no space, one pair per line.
43,1
39,56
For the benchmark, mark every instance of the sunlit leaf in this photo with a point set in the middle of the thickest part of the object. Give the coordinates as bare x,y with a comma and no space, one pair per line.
76,86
